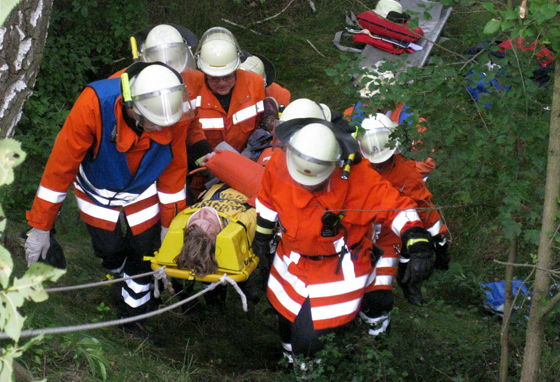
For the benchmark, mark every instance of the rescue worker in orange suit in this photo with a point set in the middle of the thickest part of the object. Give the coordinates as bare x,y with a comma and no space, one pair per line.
399,112
259,64
231,99
123,148
171,44
323,263
403,175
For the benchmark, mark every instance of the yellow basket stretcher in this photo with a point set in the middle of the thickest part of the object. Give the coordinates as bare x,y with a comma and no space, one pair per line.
233,251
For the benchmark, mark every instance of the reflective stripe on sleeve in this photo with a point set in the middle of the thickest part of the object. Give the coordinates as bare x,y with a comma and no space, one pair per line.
248,112
50,195
212,123
265,212
434,230
142,216
402,218
165,198
97,212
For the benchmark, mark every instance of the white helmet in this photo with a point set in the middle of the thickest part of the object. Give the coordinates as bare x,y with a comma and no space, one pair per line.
218,52
374,143
305,108
165,44
159,95
255,65
383,7
311,154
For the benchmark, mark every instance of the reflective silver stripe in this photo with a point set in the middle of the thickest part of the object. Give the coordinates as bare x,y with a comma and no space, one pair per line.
150,191
135,287
112,198
248,112
142,216
50,195
212,123
387,262
402,218
335,310
165,198
265,212
132,302
384,280
97,212
286,301
434,230
196,102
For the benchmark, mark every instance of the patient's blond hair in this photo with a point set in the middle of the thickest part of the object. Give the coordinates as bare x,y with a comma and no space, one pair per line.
198,252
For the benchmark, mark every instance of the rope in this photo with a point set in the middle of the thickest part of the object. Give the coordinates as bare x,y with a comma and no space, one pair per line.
106,282
98,325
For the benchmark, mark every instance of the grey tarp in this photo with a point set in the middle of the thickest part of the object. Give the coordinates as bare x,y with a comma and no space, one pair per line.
432,29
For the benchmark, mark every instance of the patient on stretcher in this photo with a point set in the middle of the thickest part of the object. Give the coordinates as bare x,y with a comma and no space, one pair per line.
204,225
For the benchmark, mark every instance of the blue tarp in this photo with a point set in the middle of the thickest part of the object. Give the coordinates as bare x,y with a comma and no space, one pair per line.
496,295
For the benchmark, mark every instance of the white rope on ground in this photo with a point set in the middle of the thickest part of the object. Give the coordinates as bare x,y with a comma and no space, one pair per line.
98,325
100,283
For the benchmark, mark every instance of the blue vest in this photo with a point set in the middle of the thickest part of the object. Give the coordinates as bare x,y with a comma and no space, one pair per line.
359,113
106,178
404,115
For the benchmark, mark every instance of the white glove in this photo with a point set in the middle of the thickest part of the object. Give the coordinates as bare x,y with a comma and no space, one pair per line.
37,244
163,233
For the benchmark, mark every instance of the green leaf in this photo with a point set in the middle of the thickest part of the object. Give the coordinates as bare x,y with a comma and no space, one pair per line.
492,26
10,319
31,287
6,266
11,155
6,7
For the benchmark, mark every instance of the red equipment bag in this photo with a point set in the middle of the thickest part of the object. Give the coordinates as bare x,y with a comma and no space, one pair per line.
377,25
363,38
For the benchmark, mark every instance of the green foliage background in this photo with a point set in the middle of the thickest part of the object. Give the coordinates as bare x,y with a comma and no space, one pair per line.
488,182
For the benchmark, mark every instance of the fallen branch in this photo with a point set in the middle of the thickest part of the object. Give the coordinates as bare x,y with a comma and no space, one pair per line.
316,50
241,26
273,16
528,266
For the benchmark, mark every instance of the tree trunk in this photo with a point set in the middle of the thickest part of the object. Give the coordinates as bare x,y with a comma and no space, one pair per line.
535,328
22,41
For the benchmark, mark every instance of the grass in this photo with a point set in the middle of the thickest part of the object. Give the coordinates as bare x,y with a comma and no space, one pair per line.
449,339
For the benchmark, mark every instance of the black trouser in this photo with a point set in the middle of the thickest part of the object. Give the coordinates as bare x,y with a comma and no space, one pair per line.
377,303
301,334
116,249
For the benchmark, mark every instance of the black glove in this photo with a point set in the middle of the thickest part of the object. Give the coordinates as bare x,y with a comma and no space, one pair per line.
418,247
261,248
442,253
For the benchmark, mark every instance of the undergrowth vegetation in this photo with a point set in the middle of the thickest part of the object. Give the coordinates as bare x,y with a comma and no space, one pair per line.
477,149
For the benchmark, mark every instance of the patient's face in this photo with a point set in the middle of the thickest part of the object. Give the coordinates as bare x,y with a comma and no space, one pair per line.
207,219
